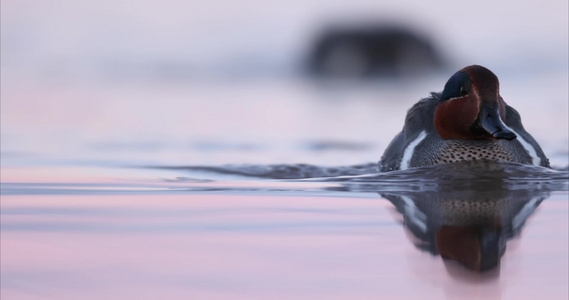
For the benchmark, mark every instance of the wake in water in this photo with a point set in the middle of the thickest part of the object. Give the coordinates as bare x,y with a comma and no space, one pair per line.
461,175
308,179
282,171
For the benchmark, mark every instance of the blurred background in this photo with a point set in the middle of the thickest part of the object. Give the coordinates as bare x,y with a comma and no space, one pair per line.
174,82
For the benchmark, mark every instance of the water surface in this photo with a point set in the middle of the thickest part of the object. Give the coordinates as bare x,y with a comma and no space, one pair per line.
179,235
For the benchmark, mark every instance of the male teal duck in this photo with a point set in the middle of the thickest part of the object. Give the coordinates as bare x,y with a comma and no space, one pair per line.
468,120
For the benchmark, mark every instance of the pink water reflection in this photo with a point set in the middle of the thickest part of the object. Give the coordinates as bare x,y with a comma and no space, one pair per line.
254,247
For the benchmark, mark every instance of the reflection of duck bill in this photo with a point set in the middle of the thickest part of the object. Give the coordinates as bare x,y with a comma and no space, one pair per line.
477,247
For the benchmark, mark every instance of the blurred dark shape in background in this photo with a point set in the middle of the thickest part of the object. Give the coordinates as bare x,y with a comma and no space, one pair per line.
372,50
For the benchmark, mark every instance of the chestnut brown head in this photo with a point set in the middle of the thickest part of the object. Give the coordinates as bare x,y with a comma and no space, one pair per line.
471,107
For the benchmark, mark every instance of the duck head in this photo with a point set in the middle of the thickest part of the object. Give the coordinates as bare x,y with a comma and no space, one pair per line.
471,107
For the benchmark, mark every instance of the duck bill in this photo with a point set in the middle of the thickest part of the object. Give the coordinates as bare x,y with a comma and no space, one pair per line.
492,123
491,248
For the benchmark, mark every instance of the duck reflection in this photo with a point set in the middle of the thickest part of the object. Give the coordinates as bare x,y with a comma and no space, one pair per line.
465,211
468,226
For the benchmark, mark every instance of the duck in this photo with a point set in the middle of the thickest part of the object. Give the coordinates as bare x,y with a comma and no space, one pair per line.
468,120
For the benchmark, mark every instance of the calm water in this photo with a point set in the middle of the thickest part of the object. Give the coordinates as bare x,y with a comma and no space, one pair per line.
173,151
93,233
130,198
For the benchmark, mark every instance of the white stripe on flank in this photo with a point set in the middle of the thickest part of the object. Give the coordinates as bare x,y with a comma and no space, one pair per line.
415,215
524,213
530,149
408,153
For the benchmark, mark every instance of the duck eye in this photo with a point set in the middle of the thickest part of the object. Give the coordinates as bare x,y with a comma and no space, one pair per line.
462,91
